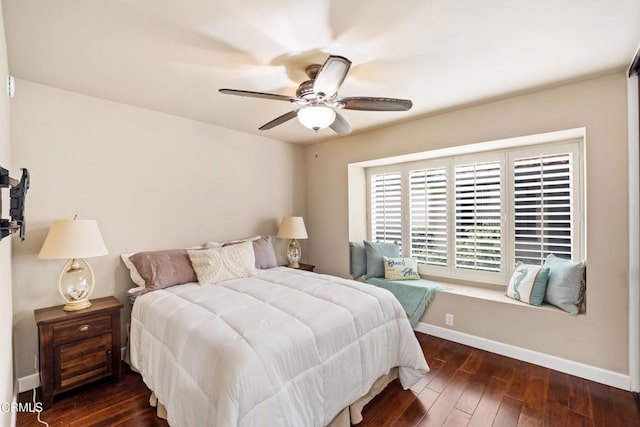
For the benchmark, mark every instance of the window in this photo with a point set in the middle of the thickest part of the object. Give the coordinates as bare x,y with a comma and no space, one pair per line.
386,209
478,235
474,217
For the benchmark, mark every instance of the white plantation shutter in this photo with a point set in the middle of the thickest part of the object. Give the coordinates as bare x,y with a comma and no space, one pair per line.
428,211
386,207
478,230
543,207
473,216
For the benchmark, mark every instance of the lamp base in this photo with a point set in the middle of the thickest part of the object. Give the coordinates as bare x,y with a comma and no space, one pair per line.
77,305
293,265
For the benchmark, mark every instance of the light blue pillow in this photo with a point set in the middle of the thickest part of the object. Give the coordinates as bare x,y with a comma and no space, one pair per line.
375,251
564,289
358,259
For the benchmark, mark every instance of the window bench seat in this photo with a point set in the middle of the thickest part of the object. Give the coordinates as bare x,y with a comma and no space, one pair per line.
491,294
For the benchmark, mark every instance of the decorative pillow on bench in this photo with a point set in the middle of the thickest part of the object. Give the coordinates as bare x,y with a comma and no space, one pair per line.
567,284
400,268
375,251
528,283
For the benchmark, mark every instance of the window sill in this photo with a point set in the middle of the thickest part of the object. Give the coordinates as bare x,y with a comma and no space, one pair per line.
491,293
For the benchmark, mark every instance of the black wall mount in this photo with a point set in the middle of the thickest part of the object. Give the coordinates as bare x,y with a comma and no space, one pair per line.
17,193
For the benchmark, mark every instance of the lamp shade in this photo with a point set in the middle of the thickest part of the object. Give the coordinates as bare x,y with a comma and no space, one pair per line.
292,227
316,117
73,238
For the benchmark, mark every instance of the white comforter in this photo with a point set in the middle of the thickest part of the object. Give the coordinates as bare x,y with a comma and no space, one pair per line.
283,348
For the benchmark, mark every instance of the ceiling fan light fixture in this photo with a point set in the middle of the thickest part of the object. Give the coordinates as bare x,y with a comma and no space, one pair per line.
316,117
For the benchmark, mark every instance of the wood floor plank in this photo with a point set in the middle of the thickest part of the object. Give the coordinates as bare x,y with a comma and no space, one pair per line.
487,409
471,396
398,402
557,400
602,406
579,400
473,362
457,418
508,413
535,397
437,415
418,409
456,357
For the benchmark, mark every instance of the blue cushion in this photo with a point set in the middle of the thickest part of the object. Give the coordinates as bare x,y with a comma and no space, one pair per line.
375,251
358,259
564,289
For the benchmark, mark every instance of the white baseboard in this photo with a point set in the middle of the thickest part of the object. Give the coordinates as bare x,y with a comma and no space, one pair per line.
14,414
32,381
593,373
28,382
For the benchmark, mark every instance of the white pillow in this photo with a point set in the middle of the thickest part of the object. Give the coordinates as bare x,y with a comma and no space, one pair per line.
133,271
213,245
216,265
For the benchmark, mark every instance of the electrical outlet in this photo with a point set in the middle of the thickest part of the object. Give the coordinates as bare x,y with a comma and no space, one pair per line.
448,319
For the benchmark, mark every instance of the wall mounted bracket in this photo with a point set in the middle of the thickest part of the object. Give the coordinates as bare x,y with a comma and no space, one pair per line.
17,192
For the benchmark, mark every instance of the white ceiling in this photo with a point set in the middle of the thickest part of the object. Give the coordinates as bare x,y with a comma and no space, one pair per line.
173,56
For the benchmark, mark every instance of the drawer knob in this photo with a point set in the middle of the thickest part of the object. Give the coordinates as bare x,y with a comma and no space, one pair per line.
84,328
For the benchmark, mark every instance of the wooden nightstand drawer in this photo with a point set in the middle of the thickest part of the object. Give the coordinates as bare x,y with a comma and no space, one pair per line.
78,347
81,328
84,361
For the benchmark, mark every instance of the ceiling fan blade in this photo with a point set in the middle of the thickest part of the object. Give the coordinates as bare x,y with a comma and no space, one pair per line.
331,75
340,125
279,120
375,104
257,94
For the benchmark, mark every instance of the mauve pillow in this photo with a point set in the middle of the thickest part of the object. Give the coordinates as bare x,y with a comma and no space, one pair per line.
161,269
264,253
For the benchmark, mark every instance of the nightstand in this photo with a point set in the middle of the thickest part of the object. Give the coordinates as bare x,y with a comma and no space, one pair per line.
78,347
305,267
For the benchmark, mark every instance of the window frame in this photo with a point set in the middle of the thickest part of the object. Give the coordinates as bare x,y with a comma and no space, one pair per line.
505,156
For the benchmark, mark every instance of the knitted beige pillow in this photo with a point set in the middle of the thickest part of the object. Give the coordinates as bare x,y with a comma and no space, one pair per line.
225,263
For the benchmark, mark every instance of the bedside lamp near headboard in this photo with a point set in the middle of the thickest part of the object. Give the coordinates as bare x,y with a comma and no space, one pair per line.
292,227
74,239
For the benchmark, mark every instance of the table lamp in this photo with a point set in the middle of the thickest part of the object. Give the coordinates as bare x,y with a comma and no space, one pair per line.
292,227
74,239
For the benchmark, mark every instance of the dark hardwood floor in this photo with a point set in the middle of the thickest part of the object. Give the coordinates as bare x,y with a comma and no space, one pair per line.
466,387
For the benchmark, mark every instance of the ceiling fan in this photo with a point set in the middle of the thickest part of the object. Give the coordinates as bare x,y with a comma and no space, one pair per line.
317,97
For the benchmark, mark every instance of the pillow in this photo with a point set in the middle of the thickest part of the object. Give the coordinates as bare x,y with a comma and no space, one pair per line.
566,285
374,252
219,264
358,259
528,283
265,256
213,245
400,268
133,271
161,269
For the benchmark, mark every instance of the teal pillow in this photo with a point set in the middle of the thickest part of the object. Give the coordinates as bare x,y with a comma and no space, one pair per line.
375,251
564,289
528,283
358,259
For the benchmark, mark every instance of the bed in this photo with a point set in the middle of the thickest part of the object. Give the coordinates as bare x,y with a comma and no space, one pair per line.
282,348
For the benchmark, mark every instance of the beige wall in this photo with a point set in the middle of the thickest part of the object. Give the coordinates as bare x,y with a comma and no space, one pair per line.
598,338
6,311
151,180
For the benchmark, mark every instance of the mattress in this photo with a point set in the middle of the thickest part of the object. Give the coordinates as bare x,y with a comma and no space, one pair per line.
282,348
